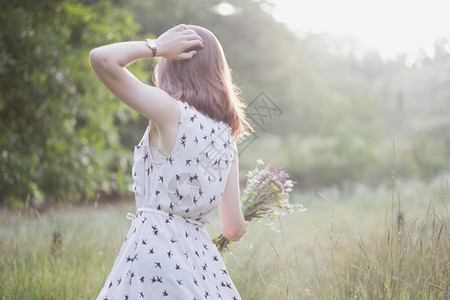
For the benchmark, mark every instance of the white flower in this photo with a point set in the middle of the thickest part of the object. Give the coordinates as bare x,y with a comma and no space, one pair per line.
288,183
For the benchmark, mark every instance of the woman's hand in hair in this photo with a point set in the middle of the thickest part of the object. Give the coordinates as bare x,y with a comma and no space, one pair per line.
173,43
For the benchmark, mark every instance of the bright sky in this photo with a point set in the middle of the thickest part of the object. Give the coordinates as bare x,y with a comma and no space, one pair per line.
390,26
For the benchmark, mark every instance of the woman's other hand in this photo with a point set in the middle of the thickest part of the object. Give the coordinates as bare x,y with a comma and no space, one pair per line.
174,42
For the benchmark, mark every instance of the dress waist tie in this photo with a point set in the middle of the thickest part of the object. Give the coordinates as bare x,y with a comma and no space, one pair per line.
141,210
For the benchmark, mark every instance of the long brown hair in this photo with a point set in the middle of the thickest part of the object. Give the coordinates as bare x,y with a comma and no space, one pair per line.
205,82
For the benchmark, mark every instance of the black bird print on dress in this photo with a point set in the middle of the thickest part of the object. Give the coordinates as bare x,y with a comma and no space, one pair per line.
167,254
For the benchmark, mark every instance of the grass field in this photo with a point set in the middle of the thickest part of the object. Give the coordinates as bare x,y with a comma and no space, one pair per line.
367,244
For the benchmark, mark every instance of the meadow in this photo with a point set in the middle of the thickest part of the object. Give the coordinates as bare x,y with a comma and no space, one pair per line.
385,243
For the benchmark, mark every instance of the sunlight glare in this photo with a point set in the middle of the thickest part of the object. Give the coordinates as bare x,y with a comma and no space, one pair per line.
391,27
225,9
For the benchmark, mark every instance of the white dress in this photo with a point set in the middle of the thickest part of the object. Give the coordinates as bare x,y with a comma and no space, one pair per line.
167,254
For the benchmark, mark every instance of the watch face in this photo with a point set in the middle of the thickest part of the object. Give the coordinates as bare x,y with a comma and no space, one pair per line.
152,45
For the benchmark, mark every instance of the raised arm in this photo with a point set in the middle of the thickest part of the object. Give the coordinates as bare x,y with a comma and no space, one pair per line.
109,64
233,224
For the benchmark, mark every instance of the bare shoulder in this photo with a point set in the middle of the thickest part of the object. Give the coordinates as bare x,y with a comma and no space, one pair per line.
156,105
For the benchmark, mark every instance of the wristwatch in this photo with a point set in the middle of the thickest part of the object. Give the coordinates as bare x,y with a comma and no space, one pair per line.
152,45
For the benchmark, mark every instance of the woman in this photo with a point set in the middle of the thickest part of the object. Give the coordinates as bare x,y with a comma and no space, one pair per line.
185,166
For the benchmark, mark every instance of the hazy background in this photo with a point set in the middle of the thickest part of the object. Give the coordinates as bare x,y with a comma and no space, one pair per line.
342,94
341,81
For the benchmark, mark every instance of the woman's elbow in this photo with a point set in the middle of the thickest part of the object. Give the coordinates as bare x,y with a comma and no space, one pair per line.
97,58
93,57
234,234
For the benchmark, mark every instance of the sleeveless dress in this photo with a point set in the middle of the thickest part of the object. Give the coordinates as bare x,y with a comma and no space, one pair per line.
167,254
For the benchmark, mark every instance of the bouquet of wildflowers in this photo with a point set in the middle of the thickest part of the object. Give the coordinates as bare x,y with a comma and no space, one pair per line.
265,197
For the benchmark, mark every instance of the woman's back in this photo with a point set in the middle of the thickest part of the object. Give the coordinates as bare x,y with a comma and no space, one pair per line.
190,181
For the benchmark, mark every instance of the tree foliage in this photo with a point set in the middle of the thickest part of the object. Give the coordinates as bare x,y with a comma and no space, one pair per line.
59,138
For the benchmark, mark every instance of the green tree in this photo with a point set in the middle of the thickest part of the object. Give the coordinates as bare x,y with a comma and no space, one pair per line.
58,135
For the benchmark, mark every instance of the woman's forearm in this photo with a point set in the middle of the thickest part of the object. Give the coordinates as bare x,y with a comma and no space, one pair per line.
119,54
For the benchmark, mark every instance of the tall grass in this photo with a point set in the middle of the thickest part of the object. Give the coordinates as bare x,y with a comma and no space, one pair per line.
63,254
366,244
349,247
